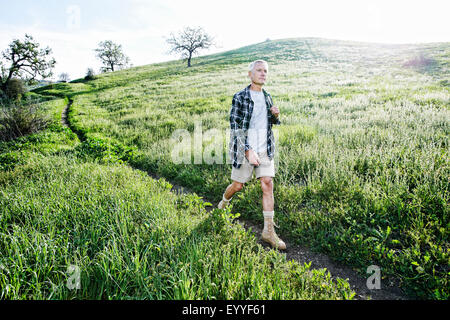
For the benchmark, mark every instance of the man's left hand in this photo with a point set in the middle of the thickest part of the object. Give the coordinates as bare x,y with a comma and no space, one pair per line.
275,111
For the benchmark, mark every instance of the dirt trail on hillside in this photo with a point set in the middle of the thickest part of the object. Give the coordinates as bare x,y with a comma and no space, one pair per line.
64,115
301,254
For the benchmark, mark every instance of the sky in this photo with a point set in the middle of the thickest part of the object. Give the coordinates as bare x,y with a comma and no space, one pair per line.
73,29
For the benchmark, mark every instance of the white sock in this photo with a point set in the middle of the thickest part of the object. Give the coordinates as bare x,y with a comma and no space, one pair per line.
224,199
268,217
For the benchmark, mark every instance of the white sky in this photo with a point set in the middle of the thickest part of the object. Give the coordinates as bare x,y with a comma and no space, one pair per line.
74,28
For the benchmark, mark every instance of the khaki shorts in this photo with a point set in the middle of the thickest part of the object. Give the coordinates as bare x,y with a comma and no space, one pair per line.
245,171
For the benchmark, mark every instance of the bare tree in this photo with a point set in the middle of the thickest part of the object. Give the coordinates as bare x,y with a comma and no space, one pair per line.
24,60
111,56
64,77
189,41
90,74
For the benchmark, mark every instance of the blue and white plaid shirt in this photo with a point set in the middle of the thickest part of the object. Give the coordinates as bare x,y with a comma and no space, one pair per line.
240,115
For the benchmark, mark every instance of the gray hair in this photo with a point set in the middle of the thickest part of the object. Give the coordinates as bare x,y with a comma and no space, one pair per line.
252,65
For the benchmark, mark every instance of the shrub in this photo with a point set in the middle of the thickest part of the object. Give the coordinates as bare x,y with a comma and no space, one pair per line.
420,61
14,89
90,75
19,119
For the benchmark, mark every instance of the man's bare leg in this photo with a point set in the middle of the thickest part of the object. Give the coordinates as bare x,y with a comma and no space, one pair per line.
229,192
269,235
267,189
232,189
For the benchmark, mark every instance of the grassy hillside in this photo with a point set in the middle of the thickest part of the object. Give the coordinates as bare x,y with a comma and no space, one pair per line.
362,150
66,210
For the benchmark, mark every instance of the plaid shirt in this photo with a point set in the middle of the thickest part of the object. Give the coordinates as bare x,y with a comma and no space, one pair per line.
240,115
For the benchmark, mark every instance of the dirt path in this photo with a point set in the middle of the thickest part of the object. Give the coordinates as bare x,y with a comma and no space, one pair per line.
301,254
64,113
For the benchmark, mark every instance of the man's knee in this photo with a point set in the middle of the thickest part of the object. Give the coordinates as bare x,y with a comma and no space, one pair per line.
266,184
237,186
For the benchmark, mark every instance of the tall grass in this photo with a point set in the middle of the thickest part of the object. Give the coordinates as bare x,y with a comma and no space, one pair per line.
363,146
67,208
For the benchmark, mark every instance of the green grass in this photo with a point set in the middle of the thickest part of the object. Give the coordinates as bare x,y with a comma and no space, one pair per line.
66,203
133,239
362,150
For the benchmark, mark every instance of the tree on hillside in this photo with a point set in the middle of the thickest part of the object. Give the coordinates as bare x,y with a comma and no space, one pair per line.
90,74
25,60
112,56
189,41
64,77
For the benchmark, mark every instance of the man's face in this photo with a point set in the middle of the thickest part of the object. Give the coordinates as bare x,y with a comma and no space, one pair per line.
259,74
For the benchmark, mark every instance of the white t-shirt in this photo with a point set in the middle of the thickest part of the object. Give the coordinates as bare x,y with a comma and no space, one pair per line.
257,133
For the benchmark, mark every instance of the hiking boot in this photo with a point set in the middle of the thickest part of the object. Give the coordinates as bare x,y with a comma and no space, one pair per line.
224,203
269,235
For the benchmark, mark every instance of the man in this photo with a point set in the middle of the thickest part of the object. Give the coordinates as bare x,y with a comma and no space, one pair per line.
251,118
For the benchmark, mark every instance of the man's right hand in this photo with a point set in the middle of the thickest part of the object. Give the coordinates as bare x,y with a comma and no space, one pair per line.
252,157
